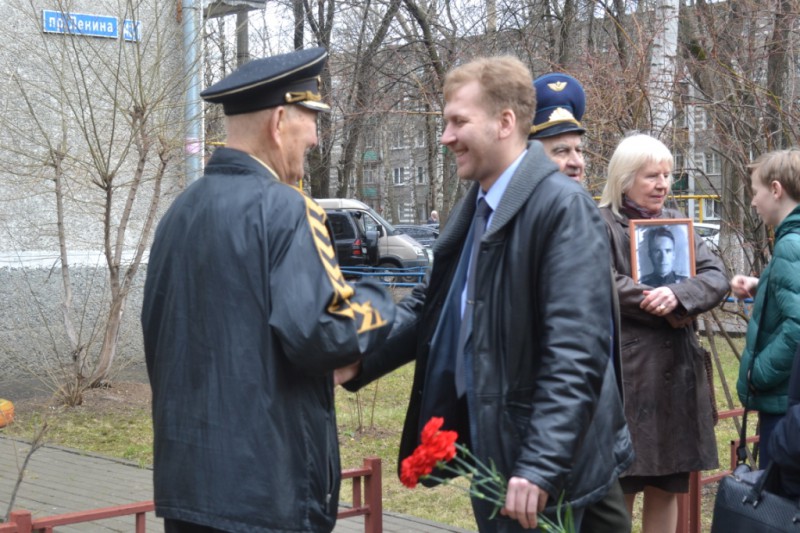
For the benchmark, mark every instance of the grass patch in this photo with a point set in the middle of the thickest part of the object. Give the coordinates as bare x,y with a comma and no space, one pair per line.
125,435
370,423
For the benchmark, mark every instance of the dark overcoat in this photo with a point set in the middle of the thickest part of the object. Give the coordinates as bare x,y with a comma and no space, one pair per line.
245,317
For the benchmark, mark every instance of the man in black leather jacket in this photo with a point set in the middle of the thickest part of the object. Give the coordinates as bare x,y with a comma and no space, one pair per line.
541,400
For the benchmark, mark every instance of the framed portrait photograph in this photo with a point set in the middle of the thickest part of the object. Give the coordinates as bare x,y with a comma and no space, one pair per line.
662,251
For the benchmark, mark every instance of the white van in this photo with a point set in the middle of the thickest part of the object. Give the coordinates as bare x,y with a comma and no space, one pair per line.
396,249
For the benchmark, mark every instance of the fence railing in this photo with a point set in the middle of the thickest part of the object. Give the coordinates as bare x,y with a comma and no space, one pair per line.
367,502
390,277
372,506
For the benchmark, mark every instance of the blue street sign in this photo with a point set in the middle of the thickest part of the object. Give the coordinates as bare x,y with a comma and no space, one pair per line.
80,24
132,30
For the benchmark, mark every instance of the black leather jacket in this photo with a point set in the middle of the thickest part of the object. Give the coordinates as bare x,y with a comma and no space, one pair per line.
544,404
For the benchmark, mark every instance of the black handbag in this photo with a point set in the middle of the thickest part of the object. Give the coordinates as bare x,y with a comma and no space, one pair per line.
750,502
745,503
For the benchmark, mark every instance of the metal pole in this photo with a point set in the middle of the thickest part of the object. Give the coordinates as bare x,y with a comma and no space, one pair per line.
193,108
691,162
242,37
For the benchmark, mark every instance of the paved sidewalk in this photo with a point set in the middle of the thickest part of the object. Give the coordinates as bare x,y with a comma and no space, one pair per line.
59,480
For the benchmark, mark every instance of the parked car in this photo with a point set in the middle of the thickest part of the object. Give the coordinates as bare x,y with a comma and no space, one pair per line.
424,234
395,248
355,246
709,232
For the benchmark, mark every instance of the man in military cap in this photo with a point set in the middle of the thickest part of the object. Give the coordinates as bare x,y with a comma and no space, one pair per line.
560,103
246,315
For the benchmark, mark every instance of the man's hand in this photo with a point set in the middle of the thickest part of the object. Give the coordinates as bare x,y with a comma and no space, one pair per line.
744,286
524,501
346,373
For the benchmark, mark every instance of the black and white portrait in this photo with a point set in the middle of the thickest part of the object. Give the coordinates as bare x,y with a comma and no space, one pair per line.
663,251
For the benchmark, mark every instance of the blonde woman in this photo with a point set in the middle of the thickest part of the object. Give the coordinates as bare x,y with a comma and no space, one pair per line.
667,401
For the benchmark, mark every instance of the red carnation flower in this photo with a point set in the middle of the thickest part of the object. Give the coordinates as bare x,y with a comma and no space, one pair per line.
438,448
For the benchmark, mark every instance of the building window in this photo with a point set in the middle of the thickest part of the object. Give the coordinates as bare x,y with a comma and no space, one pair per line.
711,209
713,163
369,175
398,175
420,139
700,116
679,163
369,139
709,162
420,175
398,139
680,119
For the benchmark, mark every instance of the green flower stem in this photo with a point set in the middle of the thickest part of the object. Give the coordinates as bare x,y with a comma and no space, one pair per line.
490,472
490,485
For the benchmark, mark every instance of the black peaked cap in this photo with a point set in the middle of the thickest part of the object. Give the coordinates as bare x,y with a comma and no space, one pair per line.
283,79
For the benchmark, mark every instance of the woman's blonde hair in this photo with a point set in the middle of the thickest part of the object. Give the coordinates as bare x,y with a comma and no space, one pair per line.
631,154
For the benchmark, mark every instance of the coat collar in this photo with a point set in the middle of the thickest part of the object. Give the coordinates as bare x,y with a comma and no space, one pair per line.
232,156
789,224
533,168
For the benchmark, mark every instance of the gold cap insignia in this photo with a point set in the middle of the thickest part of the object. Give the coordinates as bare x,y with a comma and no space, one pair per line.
557,86
560,114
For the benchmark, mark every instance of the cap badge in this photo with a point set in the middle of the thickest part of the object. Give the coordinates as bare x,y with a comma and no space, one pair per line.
557,86
560,114
302,96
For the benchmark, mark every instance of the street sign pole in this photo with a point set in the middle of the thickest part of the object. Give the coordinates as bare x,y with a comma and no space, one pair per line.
193,110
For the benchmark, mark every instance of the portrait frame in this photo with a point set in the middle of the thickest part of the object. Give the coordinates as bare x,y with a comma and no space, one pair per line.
682,231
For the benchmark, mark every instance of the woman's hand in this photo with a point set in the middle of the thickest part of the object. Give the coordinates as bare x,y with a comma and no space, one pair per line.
660,302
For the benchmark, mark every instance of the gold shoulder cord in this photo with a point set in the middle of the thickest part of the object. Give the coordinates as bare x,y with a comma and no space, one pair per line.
368,317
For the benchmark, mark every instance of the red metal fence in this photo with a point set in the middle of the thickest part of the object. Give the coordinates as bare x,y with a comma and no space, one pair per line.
366,503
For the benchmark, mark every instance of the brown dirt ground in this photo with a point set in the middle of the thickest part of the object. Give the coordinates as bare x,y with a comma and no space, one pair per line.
116,397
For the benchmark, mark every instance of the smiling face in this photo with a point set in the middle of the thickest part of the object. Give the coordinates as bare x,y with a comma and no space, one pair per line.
566,150
662,255
651,185
471,133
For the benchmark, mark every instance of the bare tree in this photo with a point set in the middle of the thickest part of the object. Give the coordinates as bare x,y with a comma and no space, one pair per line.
98,128
355,97
740,56
320,158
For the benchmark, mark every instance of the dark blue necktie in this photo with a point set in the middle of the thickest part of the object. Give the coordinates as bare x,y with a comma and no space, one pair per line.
482,213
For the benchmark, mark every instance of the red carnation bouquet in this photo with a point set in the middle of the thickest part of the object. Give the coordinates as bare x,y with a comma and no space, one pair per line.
438,449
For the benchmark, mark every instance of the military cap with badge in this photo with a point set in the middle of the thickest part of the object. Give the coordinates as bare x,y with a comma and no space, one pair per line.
284,79
560,103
